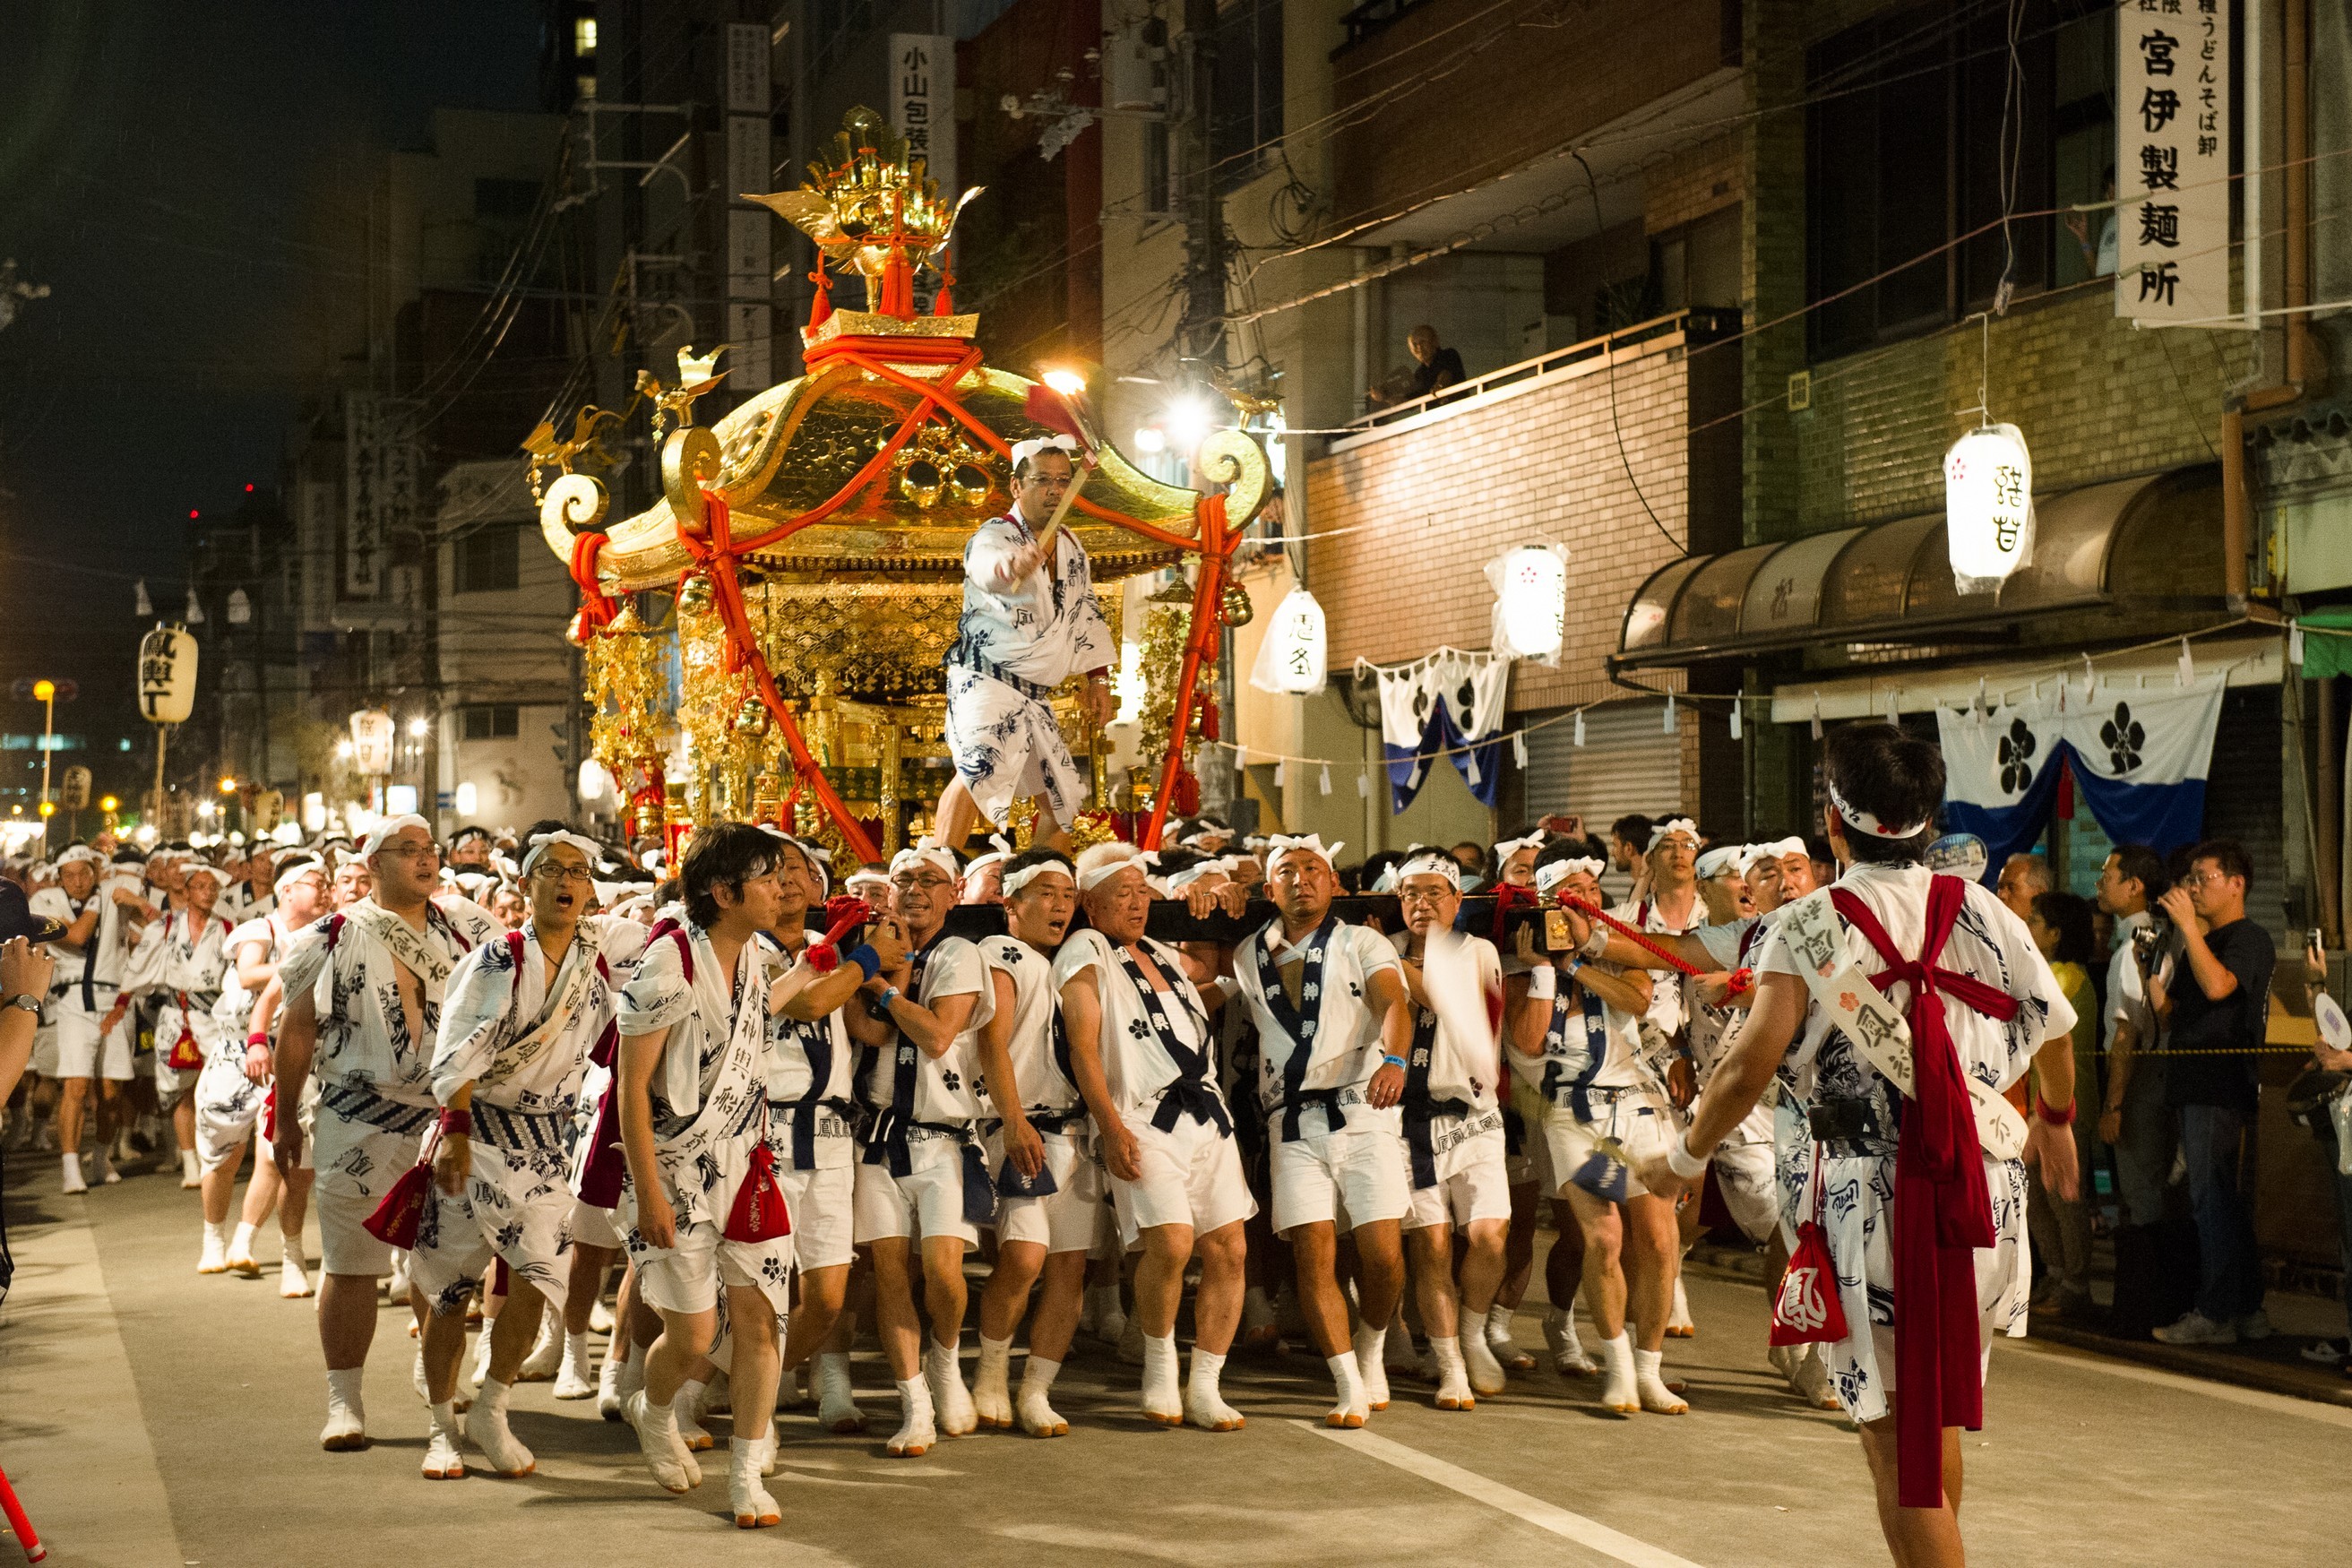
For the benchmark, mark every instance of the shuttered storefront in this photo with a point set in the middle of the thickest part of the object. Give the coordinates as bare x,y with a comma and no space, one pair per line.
1628,763
2246,799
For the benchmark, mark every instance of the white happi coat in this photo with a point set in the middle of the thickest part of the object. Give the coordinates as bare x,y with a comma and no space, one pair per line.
1441,1067
1992,944
812,1068
180,960
1734,944
1138,1067
1346,1050
375,1072
1012,648
1670,1008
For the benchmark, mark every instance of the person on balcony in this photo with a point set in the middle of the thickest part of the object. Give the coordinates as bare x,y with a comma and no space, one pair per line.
1435,368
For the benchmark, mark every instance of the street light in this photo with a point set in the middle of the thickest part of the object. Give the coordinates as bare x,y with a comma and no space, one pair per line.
419,727
1069,383
228,785
45,693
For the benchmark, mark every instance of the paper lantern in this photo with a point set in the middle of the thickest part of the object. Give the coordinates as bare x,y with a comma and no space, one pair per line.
1989,507
1291,659
593,779
167,676
372,742
1530,587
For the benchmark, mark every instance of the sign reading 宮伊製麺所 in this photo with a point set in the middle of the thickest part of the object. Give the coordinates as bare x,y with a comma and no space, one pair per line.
2172,160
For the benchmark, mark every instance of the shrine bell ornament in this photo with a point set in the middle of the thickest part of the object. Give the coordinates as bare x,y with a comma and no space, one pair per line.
1530,585
1291,659
1989,507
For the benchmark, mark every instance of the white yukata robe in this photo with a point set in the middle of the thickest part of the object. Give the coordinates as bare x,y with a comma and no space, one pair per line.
1992,944
523,1038
228,1103
1670,1004
1453,1120
1013,647
710,1105
375,1072
182,961
1746,1162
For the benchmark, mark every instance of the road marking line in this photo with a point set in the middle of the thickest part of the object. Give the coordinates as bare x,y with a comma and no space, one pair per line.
1610,1544
2256,1398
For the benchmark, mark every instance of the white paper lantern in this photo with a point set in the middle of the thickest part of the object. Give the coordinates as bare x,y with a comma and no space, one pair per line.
1530,587
1291,659
167,676
469,798
371,741
1989,507
593,779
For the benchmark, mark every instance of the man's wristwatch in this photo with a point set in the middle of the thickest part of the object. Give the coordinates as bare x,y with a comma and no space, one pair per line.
26,1000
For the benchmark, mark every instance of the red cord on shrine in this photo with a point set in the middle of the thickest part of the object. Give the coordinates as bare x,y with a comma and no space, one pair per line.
1741,979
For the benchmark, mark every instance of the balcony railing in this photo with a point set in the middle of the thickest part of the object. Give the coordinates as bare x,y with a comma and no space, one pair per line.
1702,324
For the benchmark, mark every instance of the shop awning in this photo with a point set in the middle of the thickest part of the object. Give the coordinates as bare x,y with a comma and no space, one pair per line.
2146,545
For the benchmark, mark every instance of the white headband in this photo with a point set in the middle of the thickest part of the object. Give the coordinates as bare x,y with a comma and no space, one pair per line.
1773,851
1550,876
924,851
80,854
541,843
1430,863
1716,862
386,828
347,857
1671,826
294,873
1003,851
1863,822
1510,846
870,878
1221,864
1111,863
1022,451
1312,844
208,869
1028,874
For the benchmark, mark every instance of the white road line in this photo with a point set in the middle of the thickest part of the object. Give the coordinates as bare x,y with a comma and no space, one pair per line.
2258,1399
1610,1544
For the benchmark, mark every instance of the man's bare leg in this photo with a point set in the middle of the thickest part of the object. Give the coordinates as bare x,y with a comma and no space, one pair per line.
1431,1248
1916,1537
1653,1257
1601,1226
294,1203
575,1376
346,1328
900,1329
958,811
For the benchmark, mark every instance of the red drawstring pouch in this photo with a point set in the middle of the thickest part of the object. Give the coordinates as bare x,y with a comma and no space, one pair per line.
184,1056
1806,1309
759,1212
395,1219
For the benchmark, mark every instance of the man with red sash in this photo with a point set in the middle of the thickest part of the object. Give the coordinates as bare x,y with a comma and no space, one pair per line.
1895,1007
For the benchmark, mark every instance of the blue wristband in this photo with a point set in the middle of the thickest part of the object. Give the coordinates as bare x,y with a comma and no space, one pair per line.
866,959
1393,1061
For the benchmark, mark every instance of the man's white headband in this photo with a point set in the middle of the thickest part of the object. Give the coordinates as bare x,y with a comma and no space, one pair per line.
295,873
1775,850
80,854
1716,862
541,843
1432,863
1310,844
924,852
1863,822
1550,876
1003,851
1022,451
390,826
1510,846
1221,865
1670,826
1093,876
1028,874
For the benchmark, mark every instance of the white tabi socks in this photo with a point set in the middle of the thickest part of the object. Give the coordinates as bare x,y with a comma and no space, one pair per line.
1163,1399
755,1509
836,1408
213,1259
486,1429
916,1432
1505,1349
1809,1374
1038,1416
442,1460
576,1379
468,1386
1453,1379
240,1252
1205,1405
1484,1372
951,1400
1679,1325
546,1351
685,1411
1371,1346
1618,1393
346,1427
658,1439
192,1175
1567,1356
73,1181
992,1393
1656,1398
293,1279
1349,1408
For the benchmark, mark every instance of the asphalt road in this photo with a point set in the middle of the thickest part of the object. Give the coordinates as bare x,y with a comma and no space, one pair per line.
154,1418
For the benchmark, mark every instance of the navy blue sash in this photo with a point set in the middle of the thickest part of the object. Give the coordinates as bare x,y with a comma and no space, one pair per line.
1420,1110
1189,1092
1579,1086
1299,1026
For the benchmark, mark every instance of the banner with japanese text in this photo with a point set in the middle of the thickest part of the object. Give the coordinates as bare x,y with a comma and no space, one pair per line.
2172,161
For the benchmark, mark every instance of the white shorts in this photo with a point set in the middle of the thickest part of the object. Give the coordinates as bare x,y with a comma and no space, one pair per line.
593,1226
45,1051
1190,1176
1348,1178
81,1052
1638,1119
1748,1176
515,1208
345,1246
686,1278
1068,1219
927,1201
1473,1183
357,1163
222,1129
822,1204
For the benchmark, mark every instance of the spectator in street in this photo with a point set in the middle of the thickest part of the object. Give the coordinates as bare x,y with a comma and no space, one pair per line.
2023,879
2216,1010
1435,368
1629,841
2061,924
2134,1119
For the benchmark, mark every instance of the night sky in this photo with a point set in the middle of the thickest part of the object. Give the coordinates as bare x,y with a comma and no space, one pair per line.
177,175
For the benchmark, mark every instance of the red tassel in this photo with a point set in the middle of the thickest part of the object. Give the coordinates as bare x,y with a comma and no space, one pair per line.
945,304
759,1212
821,305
